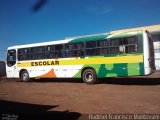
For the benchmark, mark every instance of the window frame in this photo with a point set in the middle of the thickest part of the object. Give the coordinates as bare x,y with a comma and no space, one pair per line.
23,54
10,62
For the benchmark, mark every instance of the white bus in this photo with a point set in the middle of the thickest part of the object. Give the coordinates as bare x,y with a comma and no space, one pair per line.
89,58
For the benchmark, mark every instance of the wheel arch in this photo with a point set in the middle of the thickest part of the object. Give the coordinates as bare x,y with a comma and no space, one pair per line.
20,72
87,68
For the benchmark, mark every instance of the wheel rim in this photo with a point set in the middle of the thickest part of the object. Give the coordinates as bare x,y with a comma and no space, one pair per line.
89,76
25,76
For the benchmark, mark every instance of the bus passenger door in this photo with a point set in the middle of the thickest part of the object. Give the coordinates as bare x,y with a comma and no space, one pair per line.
11,64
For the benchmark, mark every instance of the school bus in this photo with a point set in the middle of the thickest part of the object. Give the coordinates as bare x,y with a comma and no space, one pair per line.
90,57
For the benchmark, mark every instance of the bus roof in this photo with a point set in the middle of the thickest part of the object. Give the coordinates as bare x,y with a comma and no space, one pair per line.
39,44
77,39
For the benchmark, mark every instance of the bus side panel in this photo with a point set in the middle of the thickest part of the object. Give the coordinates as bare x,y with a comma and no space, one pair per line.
108,66
62,71
123,69
115,70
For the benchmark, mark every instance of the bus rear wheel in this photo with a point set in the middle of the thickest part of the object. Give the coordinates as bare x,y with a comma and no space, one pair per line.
25,76
89,76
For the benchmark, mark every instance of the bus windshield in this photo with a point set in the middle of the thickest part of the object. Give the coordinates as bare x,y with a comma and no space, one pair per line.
11,57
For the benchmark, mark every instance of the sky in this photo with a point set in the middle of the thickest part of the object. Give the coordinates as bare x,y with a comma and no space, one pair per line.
32,21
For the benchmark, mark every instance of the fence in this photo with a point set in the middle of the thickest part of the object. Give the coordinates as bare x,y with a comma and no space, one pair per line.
2,68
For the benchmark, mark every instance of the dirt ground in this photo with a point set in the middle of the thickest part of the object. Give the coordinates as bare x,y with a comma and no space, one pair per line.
73,98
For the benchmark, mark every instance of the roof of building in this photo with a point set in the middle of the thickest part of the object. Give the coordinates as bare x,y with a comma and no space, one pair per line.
151,28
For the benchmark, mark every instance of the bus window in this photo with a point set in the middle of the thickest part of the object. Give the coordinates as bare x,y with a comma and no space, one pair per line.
51,48
50,52
59,51
69,50
102,47
37,53
78,50
37,49
114,42
114,50
11,57
130,44
91,44
123,45
90,48
79,45
23,54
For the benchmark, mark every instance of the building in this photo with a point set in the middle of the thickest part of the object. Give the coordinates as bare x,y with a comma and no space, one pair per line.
155,31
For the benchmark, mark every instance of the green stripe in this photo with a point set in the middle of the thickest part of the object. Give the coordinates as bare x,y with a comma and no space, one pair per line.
115,55
99,37
126,34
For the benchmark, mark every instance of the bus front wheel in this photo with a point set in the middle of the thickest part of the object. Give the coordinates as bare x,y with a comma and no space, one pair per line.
89,76
25,76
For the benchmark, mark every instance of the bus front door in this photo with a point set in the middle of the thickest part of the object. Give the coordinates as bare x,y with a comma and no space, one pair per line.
11,64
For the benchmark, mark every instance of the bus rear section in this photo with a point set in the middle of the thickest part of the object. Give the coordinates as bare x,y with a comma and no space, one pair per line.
149,59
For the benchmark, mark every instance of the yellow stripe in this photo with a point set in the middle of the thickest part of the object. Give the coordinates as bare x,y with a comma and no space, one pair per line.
103,60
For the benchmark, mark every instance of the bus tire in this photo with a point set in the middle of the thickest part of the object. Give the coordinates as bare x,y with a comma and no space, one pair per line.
25,76
89,76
